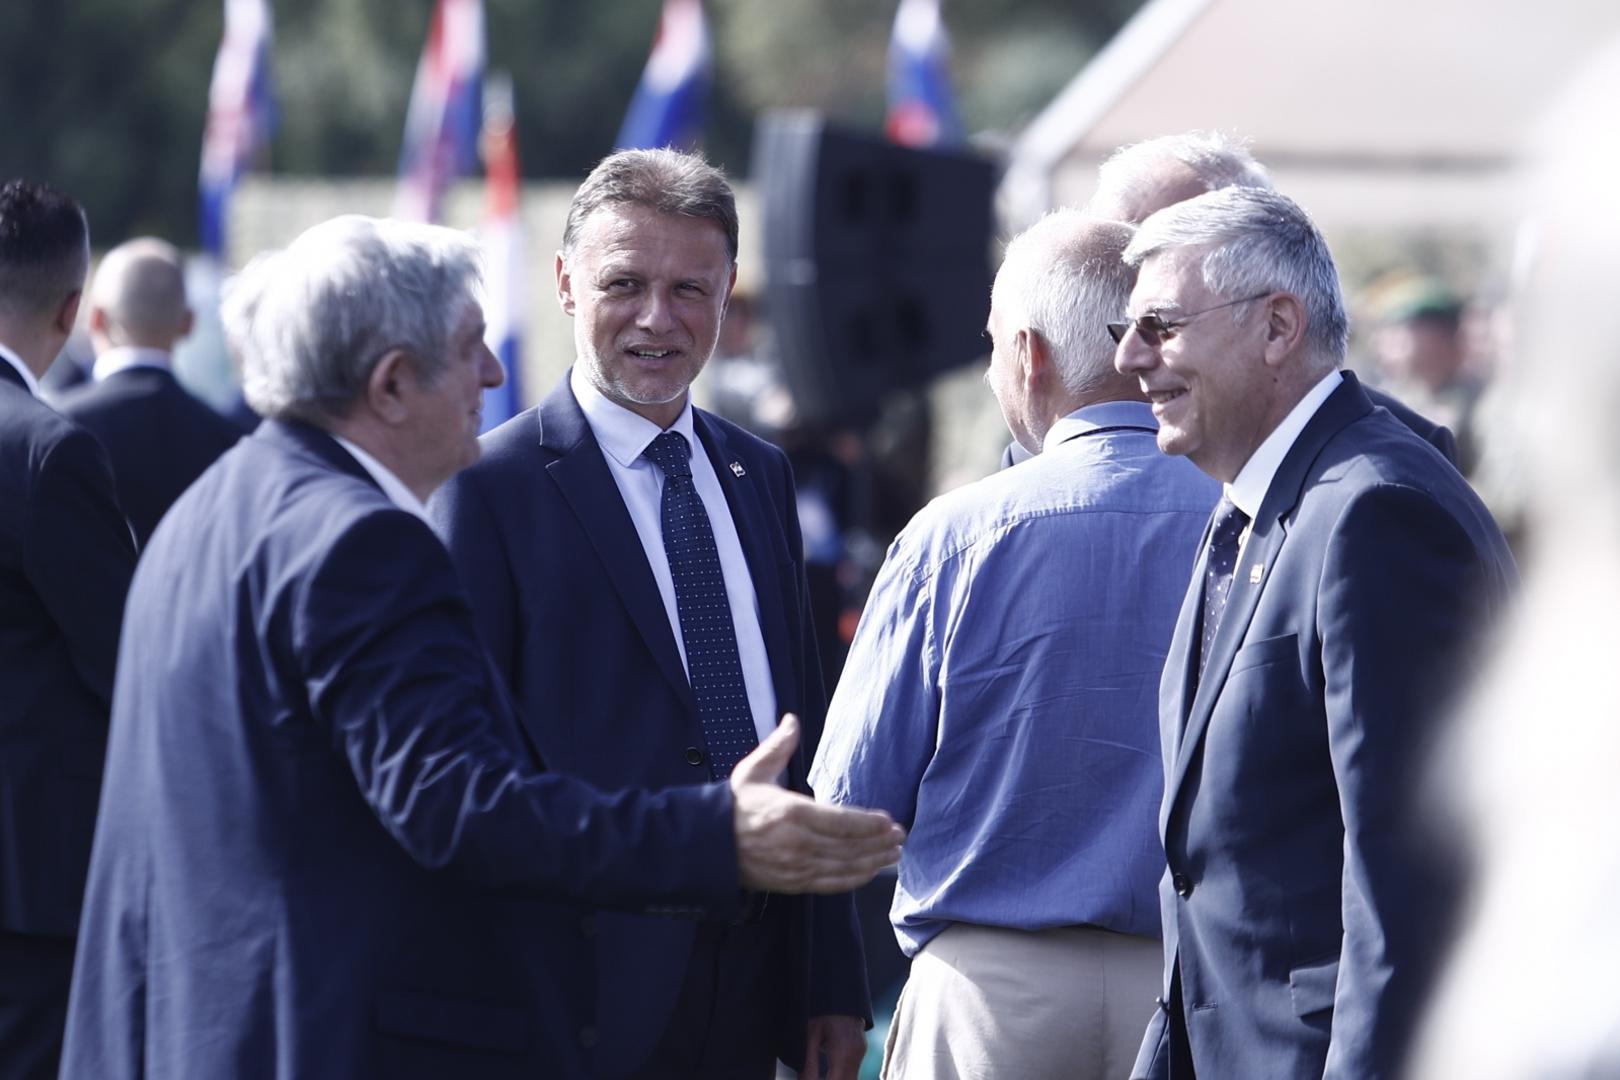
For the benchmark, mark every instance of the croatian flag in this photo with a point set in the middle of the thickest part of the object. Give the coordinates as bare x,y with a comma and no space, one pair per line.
502,237
441,126
668,109
241,113
922,111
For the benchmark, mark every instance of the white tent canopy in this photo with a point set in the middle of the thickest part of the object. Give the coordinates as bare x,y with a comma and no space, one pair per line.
1368,112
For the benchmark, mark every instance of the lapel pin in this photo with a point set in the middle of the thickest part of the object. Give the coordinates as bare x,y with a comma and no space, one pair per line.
1256,572
737,469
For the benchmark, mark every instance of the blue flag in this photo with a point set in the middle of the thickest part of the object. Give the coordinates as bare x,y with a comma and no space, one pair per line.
922,109
241,114
671,99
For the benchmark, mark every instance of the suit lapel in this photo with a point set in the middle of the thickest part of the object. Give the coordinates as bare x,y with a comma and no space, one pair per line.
1270,529
751,511
582,474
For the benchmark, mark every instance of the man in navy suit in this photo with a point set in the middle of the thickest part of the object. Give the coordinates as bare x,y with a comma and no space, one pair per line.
325,837
159,437
1341,579
571,536
65,561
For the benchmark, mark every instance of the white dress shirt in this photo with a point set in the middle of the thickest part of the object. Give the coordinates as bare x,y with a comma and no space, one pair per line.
22,369
1248,489
128,356
623,436
400,495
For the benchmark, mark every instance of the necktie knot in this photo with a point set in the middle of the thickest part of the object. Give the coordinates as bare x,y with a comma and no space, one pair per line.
671,453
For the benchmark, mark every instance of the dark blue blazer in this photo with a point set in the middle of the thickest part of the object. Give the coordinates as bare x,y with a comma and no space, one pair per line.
569,607
323,828
1302,910
159,438
65,561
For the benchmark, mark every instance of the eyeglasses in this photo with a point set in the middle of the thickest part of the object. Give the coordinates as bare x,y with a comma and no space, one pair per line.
1155,330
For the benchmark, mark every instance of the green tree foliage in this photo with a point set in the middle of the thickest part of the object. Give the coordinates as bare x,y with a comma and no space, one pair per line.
107,98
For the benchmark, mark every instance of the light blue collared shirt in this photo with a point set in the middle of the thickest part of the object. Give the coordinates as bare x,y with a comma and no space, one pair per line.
1001,696
623,436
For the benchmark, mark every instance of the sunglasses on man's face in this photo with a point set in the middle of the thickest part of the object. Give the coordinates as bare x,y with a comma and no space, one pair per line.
1155,330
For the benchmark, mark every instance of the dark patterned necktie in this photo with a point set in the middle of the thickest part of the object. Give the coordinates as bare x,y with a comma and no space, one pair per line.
1223,552
712,662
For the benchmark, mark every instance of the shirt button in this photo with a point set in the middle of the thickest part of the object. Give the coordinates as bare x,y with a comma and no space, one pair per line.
694,756
1182,884
587,926
587,1037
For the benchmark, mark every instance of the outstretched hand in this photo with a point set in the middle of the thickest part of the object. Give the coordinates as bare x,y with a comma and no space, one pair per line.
787,843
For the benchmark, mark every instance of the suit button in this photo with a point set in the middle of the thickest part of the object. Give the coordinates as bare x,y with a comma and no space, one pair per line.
1182,883
587,926
587,1037
694,756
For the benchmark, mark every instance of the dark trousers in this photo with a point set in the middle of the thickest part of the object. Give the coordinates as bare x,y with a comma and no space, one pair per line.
725,1022
34,976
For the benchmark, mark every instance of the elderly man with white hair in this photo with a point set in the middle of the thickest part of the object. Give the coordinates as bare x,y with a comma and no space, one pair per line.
324,833
1342,578
1000,696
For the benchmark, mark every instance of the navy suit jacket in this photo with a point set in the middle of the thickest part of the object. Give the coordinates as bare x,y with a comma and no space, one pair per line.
569,607
323,829
65,561
1302,909
159,438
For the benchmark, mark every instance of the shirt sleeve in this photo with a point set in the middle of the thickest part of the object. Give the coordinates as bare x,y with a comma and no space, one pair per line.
883,721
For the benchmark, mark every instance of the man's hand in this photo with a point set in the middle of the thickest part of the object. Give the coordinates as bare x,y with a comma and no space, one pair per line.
842,1039
788,844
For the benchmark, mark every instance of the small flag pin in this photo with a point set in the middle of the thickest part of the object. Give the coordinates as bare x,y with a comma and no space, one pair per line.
1256,572
737,469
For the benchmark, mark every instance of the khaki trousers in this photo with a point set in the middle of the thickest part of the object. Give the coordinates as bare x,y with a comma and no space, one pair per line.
987,1003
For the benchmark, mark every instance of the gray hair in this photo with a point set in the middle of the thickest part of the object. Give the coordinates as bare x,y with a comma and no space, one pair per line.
310,322
140,288
1065,278
1148,174
667,181
1258,241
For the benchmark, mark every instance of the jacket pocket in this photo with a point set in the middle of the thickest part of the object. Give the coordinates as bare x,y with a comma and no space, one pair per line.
1312,986
1259,653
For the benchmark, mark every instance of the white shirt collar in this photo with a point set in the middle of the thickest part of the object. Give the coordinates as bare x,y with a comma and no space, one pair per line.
400,495
128,356
1100,415
622,434
1248,490
22,369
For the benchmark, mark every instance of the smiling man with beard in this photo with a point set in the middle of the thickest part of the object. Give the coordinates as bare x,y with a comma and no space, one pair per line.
637,571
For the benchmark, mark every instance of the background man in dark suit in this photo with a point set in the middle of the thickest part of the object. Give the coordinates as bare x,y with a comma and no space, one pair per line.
637,657
324,817
1142,178
159,437
65,561
1342,575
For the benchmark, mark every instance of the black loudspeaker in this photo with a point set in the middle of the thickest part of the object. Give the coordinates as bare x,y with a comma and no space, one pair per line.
877,261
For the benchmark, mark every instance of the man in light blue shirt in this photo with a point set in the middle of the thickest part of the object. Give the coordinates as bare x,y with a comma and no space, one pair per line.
1000,697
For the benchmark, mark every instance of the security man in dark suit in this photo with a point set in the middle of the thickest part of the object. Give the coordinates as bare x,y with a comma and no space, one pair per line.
65,563
158,436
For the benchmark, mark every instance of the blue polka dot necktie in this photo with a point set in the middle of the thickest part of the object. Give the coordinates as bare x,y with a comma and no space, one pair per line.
712,663
1223,552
